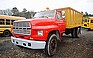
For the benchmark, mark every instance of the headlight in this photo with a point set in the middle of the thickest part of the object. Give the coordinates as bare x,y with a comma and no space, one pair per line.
40,33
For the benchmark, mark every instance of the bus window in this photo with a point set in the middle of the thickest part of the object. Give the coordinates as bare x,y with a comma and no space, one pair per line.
88,20
12,21
1,21
91,21
7,21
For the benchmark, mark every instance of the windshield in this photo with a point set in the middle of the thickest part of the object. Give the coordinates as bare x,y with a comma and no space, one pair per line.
45,14
86,20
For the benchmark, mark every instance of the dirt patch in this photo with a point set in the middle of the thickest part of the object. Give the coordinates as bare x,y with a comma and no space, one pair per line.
70,48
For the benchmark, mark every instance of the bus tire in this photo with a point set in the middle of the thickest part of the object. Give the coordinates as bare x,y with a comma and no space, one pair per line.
6,33
51,45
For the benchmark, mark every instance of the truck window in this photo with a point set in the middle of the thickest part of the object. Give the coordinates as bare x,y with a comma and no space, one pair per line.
45,14
59,15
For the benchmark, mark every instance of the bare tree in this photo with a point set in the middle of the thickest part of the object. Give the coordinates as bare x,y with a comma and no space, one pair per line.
15,11
24,10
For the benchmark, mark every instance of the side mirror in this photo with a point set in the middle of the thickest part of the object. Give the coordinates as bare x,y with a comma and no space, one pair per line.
63,14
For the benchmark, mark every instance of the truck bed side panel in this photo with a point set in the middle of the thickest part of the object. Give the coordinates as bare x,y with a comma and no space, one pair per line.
73,18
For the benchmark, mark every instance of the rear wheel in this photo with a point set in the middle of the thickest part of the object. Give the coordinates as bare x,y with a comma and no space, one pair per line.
51,45
73,33
6,33
77,32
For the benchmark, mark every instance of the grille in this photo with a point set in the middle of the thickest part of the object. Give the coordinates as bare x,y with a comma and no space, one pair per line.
22,28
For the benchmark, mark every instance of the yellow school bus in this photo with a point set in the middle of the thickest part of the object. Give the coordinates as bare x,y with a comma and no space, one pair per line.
6,23
88,23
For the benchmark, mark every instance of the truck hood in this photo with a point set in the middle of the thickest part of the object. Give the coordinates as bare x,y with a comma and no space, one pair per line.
40,21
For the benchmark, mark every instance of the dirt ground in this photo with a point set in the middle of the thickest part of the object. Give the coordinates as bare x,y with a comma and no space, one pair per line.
81,47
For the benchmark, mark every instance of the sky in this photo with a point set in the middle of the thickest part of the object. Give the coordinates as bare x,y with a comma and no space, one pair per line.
38,5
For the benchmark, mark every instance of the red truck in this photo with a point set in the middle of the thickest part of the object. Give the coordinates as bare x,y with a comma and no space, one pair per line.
43,31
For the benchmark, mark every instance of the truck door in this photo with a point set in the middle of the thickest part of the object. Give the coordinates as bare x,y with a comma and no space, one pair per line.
60,17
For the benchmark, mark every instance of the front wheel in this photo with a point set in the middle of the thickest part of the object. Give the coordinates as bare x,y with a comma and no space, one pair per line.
51,45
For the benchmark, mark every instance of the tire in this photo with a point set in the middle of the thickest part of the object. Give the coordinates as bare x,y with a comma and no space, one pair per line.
67,31
77,32
89,29
73,33
6,33
51,45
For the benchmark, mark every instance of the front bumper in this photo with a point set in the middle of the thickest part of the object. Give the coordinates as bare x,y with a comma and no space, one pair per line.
28,43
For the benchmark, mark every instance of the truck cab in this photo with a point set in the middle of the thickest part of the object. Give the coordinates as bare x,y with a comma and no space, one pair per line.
41,32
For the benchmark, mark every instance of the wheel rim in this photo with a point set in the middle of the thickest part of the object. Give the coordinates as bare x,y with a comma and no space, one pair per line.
53,45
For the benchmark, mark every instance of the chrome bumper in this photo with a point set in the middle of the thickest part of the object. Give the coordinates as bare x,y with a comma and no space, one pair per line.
28,43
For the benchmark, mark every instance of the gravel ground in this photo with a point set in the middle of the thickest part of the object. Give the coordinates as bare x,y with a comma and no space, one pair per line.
70,48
